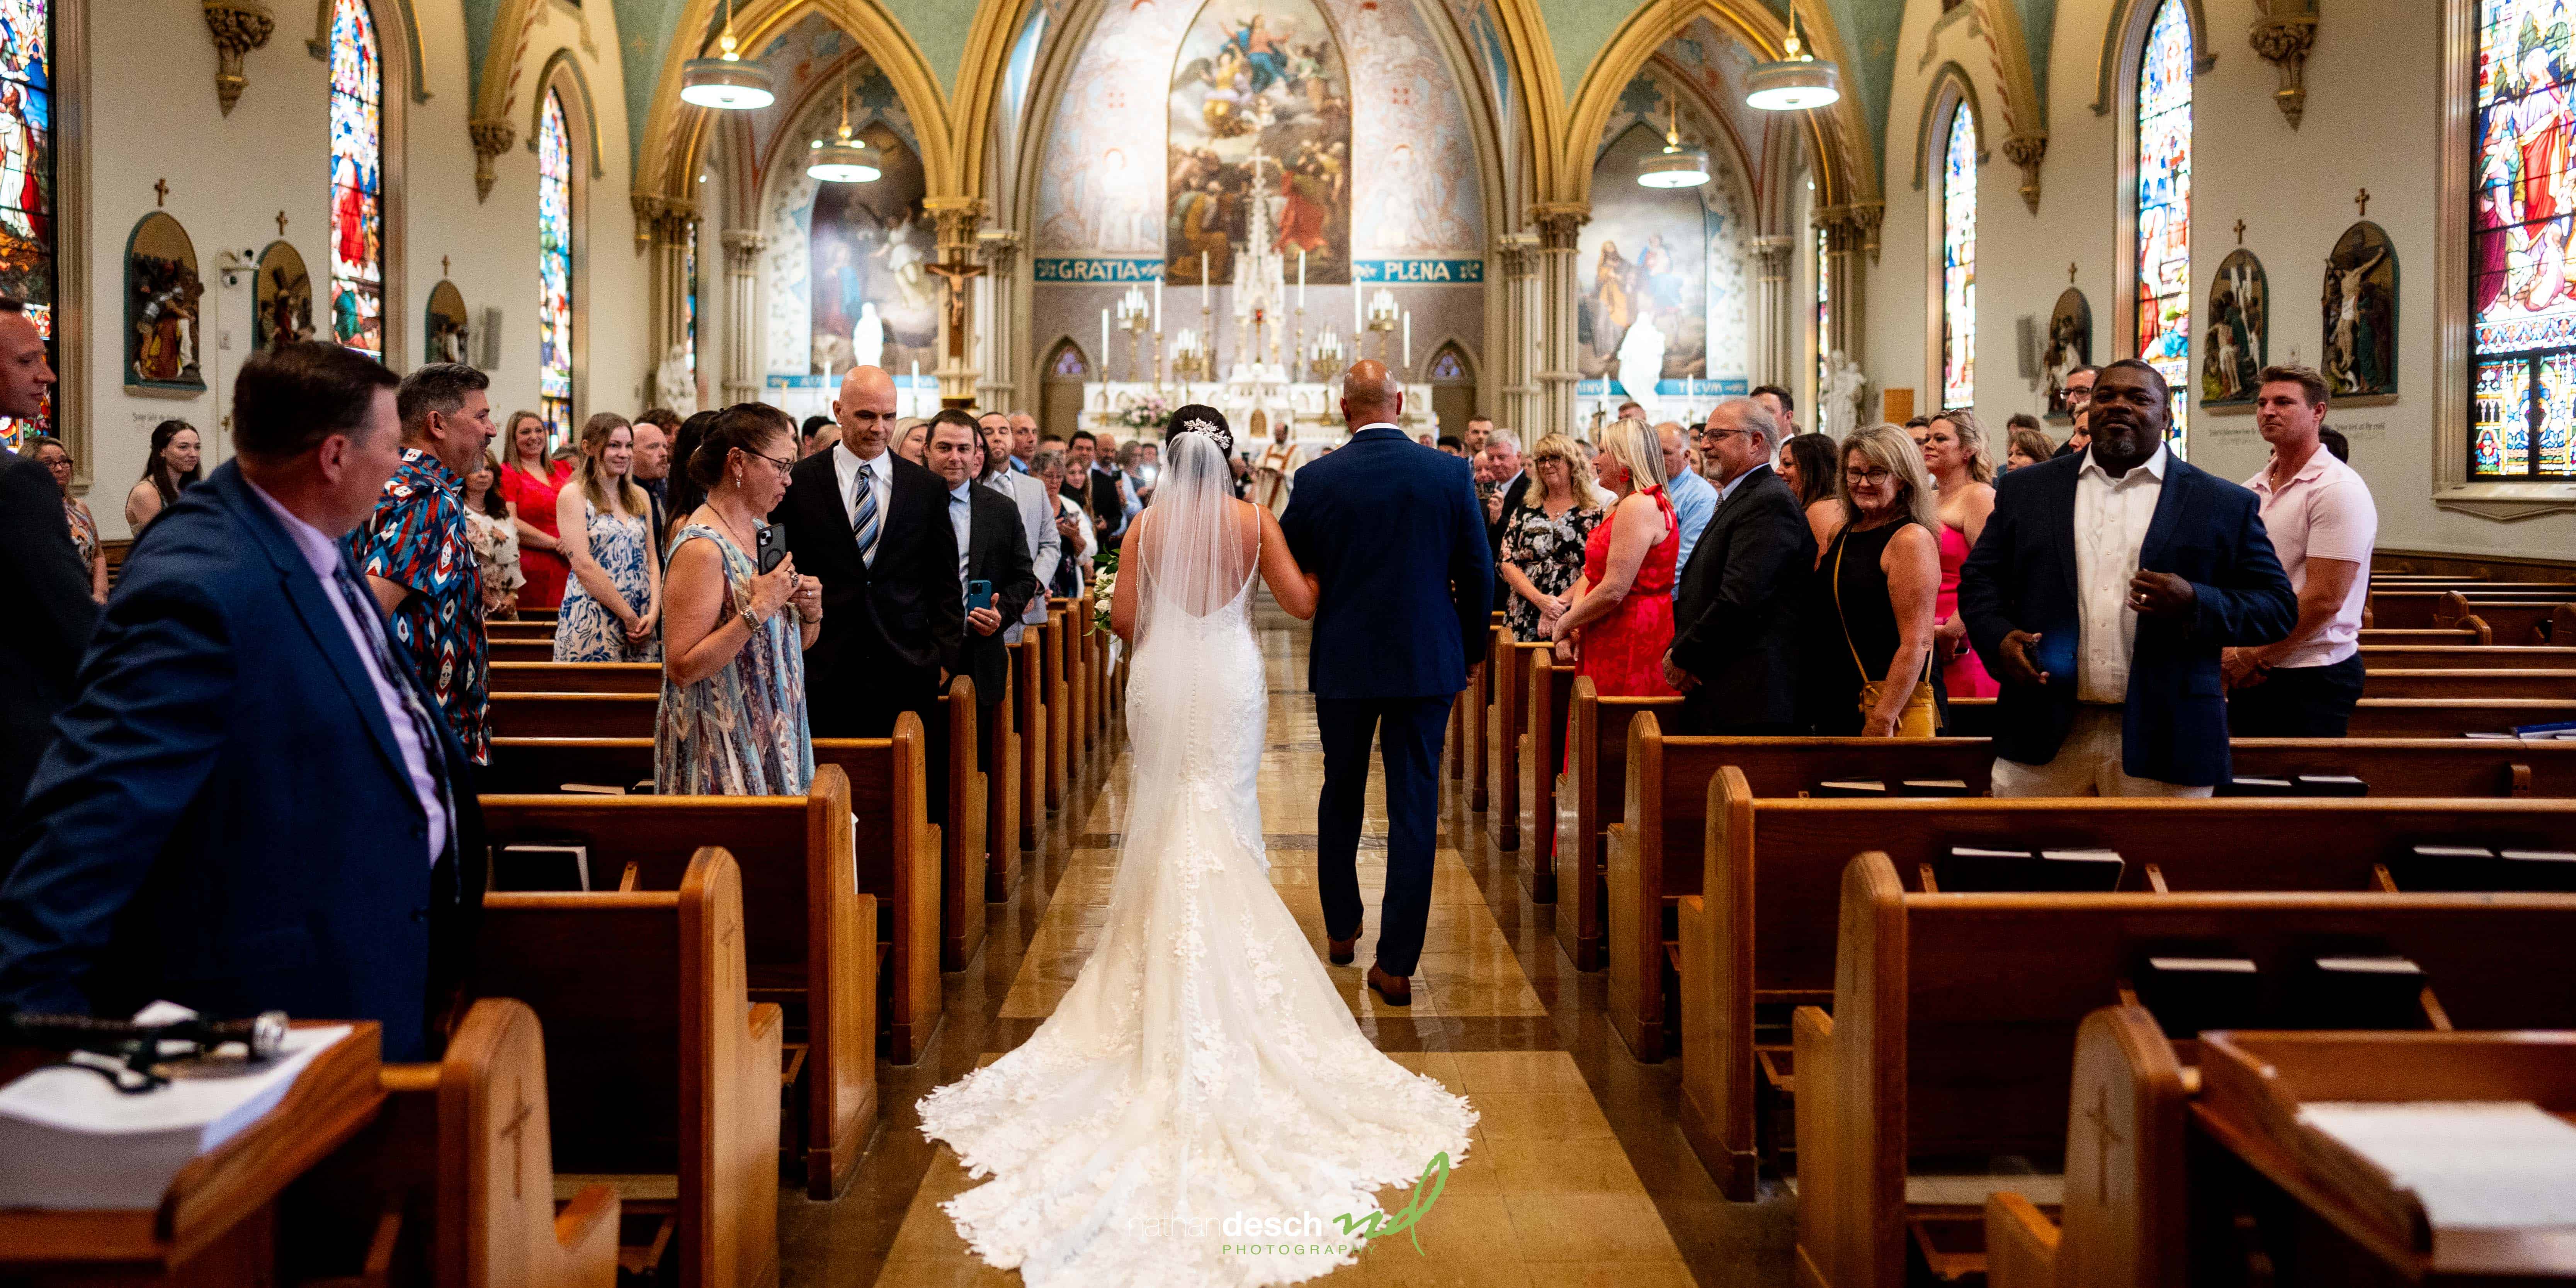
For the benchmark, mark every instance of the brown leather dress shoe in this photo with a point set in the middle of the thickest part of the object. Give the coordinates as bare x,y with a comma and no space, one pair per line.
1342,951
1396,989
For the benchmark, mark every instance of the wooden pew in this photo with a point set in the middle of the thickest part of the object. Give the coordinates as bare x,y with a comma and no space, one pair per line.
1954,1023
2429,606
2450,718
1509,730
2470,633
576,677
1027,749
812,947
1059,748
1472,738
662,1074
2436,657
575,715
978,810
1542,757
454,1182
1751,923
1588,793
509,650
2470,684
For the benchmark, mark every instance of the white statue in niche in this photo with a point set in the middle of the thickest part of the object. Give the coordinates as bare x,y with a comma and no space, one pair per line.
674,385
867,337
1641,365
1842,396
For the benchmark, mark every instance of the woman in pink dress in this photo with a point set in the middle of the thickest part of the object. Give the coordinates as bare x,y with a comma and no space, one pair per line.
1620,615
1954,452
530,483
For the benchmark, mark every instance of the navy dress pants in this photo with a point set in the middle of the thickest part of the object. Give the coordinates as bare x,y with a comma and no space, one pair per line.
1408,731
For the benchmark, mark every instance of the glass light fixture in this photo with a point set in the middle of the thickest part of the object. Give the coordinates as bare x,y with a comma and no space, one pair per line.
1796,82
847,158
1676,166
726,81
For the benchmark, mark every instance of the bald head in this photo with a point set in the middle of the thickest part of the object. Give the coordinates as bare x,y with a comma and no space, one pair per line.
1370,394
865,411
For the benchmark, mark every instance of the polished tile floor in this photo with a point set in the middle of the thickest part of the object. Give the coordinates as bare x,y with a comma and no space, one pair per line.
1578,1175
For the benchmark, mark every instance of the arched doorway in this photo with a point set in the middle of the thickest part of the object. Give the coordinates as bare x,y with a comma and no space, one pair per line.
1453,388
1060,395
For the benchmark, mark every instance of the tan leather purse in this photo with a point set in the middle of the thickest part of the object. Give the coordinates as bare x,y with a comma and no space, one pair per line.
1916,720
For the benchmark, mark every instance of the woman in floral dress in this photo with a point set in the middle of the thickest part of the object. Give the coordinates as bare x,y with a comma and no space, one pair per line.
1543,540
495,539
612,610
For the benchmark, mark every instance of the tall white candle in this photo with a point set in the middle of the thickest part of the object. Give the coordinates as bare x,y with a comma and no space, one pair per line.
1102,361
1301,279
1408,339
1356,292
1158,306
1207,290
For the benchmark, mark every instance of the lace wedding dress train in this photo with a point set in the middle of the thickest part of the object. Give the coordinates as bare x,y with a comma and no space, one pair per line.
1203,1077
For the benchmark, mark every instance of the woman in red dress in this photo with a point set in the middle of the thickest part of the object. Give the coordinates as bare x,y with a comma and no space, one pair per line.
529,483
1619,619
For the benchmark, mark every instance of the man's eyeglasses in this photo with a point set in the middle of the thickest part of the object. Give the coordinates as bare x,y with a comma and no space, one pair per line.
1712,437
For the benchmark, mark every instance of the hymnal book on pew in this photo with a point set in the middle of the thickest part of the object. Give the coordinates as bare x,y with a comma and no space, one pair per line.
2332,785
2360,992
1970,869
1850,789
2256,785
2551,729
1935,787
542,868
2475,867
2189,993
2477,1165
75,1143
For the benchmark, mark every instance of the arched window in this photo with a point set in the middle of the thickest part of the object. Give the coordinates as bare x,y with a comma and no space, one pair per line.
27,182
554,270
1824,316
2164,203
2523,311
689,302
1959,261
357,179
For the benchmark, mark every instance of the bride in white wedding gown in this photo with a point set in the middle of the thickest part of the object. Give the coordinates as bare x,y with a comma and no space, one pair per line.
1203,1068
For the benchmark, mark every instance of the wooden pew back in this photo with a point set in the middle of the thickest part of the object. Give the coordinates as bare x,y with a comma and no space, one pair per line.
2442,657
1588,795
1508,732
1790,767
1542,759
576,677
576,715
2450,718
2477,683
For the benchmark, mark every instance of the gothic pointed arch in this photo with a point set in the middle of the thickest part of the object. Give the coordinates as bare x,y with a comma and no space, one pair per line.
401,35
564,133
2116,72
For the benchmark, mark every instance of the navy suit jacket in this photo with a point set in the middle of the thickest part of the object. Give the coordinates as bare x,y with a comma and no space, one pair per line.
2021,576
43,579
224,819
1395,532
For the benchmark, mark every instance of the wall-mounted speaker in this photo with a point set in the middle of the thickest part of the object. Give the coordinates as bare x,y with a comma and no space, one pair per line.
487,341
2026,345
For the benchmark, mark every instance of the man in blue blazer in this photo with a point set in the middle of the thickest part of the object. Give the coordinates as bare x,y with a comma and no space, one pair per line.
251,804
2101,593
1394,531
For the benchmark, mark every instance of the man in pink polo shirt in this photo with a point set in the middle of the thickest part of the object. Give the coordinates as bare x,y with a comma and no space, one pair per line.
2322,524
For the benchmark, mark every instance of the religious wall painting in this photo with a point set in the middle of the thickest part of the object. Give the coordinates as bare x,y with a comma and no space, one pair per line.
2070,345
872,300
446,329
163,296
1260,109
2236,341
282,298
1641,275
2359,309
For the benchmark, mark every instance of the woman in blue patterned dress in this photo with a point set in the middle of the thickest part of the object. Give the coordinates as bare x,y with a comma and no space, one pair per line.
612,611
733,678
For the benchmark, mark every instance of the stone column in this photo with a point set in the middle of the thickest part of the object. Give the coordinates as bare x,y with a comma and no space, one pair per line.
1558,225
665,229
1513,351
1775,320
1844,243
742,314
999,328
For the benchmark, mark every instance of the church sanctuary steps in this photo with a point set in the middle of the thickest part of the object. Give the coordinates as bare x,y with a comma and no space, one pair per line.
662,1074
1757,878
1508,732
454,1181
1588,793
1542,757
1955,1017
2165,1134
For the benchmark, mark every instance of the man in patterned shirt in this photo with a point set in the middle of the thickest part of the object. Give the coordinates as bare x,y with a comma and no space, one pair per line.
415,550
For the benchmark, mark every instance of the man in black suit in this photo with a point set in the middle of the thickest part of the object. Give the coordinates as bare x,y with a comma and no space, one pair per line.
253,804
1501,463
994,549
873,526
1735,628
41,577
1095,487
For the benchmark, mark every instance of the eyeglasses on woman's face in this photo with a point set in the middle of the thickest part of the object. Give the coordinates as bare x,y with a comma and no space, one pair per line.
784,464
1870,478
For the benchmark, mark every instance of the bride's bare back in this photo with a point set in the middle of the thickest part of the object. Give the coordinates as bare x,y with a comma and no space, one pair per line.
1256,536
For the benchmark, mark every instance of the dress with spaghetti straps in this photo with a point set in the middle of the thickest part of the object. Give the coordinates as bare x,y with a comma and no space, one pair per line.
1624,651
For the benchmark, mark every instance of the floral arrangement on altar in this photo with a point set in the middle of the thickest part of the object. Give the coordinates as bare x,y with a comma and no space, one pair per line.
1147,411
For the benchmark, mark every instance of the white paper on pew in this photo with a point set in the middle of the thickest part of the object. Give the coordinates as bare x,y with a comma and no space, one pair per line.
74,1143
2475,1165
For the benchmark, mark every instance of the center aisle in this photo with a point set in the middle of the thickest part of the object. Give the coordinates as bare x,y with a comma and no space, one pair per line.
1556,1190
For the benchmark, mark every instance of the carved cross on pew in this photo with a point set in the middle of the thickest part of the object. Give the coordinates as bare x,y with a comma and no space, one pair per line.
957,276
517,1131
2104,1137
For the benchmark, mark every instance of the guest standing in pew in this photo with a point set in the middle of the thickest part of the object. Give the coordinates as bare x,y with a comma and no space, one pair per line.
2078,390
1504,495
2319,514
253,805
1007,475
418,554
1735,614
1963,478
531,482
1072,523
684,496
1543,539
875,529
2029,447
653,467
171,467
1876,587
732,720
495,540
1811,467
48,451
2101,595
1694,498
612,611
991,549
40,575
1618,621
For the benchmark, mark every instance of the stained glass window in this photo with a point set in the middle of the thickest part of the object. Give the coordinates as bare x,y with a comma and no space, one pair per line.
2524,331
689,302
2164,203
1069,361
27,181
1448,364
1959,262
357,179
554,271
1824,317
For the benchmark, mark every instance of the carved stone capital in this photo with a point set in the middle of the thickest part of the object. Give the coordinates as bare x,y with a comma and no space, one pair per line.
743,247
1773,252
2284,37
1000,248
1516,255
648,214
238,26
2027,151
491,139
1867,216
958,219
1558,226
677,220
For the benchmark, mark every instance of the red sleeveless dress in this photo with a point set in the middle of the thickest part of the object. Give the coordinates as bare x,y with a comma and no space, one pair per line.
1624,652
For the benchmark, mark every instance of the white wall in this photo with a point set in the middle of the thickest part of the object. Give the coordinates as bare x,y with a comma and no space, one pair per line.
150,95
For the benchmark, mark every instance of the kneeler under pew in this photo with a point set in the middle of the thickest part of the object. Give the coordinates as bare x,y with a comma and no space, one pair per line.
1944,1066
662,1075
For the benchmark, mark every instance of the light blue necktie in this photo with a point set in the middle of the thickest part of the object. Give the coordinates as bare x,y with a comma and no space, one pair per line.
864,524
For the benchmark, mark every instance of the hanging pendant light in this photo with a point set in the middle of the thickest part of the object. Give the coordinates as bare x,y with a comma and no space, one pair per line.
726,81
1796,82
1676,166
847,158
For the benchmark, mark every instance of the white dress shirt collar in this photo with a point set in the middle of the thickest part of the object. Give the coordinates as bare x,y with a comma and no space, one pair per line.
2154,466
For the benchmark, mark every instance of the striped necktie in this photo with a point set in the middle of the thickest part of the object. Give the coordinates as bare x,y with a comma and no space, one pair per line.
864,523
370,618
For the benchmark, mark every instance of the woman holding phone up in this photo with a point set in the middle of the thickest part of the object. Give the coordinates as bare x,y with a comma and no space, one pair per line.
733,672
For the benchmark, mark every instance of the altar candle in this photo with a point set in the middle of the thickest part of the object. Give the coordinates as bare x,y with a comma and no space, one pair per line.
1301,279
1356,292
1408,339
1207,291
1158,306
1104,338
